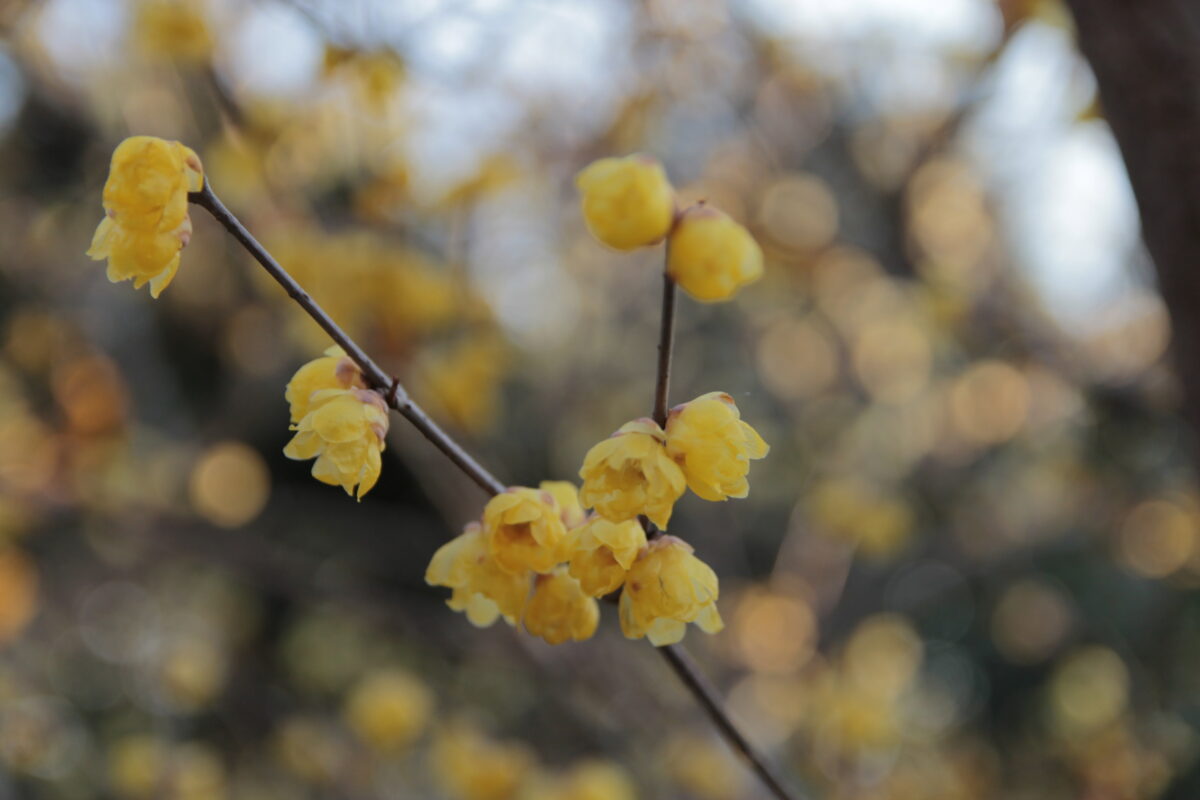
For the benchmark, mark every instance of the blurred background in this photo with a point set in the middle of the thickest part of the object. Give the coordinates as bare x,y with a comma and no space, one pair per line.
968,568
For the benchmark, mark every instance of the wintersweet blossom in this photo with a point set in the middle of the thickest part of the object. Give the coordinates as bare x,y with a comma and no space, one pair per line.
334,370
344,430
559,609
146,223
481,589
523,529
713,446
627,202
666,588
630,473
711,256
601,552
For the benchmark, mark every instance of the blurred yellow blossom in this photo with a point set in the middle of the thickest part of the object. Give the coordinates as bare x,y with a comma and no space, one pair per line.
334,370
560,610
388,709
713,446
480,587
630,473
666,588
344,430
469,766
175,29
601,552
702,767
592,779
523,529
627,202
137,765
711,256
146,223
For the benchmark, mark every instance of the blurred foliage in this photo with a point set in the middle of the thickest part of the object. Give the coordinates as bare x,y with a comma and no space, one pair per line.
968,568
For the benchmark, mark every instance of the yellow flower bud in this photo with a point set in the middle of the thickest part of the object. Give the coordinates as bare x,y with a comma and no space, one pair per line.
388,710
559,610
627,202
523,530
482,589
711,256
630,473
334,371
146,206
708,439
344,430
601,552
666,588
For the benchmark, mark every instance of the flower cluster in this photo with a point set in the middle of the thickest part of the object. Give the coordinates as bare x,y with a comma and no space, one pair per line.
146,223
629,203
538,558
338,421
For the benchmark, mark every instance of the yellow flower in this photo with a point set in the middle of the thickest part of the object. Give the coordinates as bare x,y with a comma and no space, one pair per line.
146,206
343,430
711,256
523,529
601,552
334,371
567,496
388,709
630,473
627,202
468,766
481,588
559,610
708,439
666,588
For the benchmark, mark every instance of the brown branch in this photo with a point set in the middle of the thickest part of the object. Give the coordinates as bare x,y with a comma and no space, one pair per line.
687,670
666,343
375,377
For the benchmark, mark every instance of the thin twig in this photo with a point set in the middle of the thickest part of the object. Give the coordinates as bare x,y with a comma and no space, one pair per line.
666,344
689,673
376,378
692,677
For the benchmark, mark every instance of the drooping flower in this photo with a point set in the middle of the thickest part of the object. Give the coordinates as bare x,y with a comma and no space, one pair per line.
334,370
388,709
713,446
627,202
711,256
344,430
523,529
630,473
480,587
146,223
666,588
560,610
601,552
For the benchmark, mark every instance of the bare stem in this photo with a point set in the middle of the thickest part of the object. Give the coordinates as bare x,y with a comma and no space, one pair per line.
687,670
666,344
706,694
375,377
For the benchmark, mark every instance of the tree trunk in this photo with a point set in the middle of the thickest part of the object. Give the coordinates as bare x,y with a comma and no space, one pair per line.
1146,56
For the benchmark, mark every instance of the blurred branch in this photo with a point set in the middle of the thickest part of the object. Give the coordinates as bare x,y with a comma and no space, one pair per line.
1146,57
397,398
